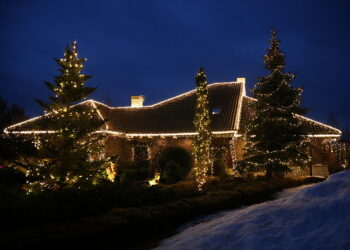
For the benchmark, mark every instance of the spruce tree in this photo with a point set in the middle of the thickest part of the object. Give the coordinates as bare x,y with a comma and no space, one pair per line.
72,155
15,151
275,135
202,141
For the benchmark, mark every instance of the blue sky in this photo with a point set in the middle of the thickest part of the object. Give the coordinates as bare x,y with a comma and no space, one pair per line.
155,48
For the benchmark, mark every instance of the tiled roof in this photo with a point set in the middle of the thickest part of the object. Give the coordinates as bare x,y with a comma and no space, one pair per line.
175,115
38,123
311,127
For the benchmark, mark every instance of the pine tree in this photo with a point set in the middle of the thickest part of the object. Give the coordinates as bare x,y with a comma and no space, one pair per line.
332,120
275,135
72,155
14,150
202,141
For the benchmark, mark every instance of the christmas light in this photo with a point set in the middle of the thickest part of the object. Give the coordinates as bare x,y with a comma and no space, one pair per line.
233,154
202,142
240,103
337,131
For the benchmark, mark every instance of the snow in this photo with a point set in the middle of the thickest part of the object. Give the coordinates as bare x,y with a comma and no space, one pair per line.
316,217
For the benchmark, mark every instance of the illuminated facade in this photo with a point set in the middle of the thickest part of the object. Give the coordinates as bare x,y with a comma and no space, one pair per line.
142,132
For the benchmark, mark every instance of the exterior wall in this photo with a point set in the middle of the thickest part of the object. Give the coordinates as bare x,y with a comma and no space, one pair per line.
240,144
156,145
118,146
323,161
124,146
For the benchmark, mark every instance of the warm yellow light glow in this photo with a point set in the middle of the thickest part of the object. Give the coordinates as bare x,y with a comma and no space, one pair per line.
240,103
137,101
111,172
98,112
155,180
320,135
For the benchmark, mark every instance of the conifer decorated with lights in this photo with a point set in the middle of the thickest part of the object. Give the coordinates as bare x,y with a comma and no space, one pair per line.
275,136
72,155
202,141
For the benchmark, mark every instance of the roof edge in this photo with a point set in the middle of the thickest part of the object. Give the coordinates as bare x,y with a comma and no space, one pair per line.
242,93
6,130
311,120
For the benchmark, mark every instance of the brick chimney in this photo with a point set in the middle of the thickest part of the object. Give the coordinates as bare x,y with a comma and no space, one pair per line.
137,101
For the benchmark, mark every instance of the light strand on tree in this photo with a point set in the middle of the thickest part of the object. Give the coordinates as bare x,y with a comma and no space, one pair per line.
233,154
202,142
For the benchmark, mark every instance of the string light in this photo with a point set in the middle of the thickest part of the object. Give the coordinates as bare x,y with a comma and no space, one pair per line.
233,154
228,133
202,141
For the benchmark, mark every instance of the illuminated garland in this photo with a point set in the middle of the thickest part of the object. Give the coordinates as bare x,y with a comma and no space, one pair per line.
233,154
202,142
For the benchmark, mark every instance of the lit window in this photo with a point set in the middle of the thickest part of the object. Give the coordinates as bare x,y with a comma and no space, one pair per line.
216,111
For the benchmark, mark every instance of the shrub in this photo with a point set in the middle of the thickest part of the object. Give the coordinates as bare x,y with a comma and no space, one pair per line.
171,173
150,222
11,176
133,171
180,166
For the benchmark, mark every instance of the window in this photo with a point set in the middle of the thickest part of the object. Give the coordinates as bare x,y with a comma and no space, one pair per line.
216,111
140,152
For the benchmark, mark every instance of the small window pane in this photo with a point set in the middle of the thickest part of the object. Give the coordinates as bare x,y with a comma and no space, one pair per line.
216,111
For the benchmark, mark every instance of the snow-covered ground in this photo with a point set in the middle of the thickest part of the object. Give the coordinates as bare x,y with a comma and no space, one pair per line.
316,217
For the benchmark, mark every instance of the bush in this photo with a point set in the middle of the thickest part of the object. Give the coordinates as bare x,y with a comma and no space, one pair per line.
11,177
134,171
171,173
176,161
149,222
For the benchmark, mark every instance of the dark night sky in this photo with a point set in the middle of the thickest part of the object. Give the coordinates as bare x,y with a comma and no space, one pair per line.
155,48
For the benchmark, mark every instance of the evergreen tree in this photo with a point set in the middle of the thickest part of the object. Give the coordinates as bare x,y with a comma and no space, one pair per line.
346,135
73,155
10,114
15,151
202,143
275,135
332,120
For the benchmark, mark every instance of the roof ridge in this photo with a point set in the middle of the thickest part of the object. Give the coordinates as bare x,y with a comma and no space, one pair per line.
168,99
190,92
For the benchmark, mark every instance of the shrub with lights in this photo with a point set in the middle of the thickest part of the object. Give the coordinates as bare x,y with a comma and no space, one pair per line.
275,135
72,155
202,142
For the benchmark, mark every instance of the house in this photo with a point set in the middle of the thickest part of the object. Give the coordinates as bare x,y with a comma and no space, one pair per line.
142,132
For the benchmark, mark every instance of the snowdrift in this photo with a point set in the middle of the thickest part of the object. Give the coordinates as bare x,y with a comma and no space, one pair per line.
317,217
